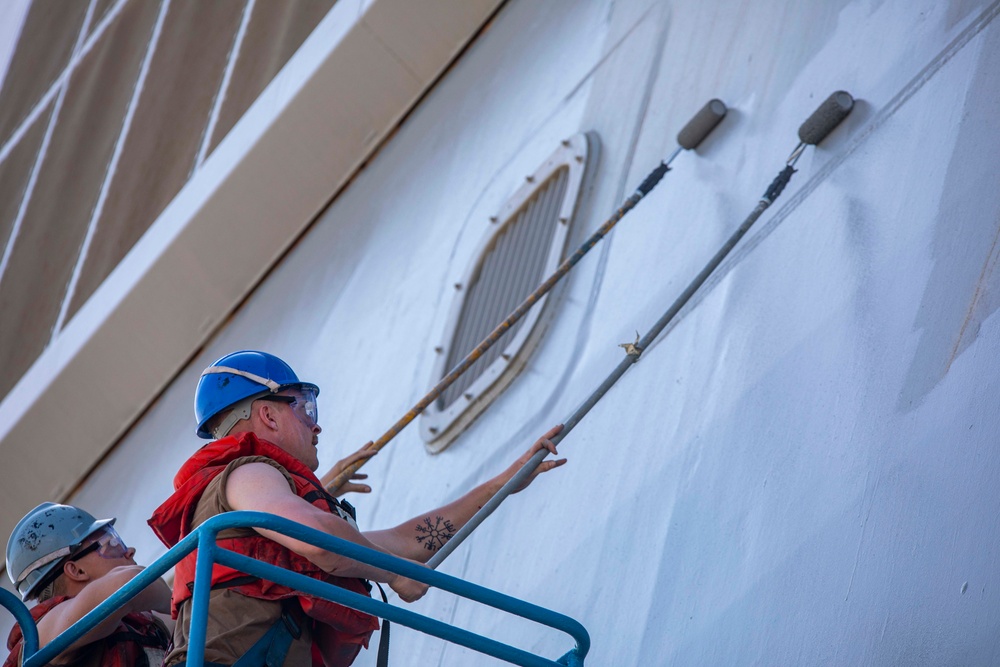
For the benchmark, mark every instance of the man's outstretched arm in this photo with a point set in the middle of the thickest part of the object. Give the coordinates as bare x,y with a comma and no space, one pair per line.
420,537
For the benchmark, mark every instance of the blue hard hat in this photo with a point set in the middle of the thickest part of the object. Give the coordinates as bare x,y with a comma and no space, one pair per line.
237,377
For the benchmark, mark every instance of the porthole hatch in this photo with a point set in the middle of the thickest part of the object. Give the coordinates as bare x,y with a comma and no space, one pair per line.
523,244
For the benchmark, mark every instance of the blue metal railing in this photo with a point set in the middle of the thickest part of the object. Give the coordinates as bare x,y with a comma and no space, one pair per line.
203,539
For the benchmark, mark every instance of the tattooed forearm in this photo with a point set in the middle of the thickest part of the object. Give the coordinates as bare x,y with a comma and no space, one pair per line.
433,534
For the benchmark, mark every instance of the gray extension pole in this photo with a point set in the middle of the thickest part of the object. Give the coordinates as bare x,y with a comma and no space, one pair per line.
813,131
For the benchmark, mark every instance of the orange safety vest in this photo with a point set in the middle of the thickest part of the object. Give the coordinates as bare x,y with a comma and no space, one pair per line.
335,625
137,641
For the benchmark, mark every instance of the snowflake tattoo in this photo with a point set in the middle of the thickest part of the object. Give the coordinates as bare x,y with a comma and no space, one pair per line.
434,535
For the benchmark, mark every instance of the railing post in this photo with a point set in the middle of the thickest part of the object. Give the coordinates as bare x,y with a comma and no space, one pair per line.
198,630
23,617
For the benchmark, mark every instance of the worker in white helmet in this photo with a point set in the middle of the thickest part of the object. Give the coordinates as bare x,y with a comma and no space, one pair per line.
70,562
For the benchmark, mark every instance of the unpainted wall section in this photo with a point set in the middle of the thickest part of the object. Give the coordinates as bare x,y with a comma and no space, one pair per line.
160,151
52,28
58,209
143,82
801,471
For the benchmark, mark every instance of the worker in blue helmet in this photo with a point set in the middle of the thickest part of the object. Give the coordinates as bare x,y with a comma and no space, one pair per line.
266,428
68,562
228,388
233,382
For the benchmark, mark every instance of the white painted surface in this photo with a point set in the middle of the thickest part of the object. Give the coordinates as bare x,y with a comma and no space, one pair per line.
803,470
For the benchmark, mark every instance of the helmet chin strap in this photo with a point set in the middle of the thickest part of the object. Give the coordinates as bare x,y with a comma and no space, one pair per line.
242,409
239,412
47,591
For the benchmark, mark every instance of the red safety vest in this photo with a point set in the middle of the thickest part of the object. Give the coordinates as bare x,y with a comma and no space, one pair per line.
172,522
137,641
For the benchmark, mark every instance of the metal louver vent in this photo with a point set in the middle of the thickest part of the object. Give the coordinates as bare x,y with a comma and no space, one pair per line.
524,243
511,268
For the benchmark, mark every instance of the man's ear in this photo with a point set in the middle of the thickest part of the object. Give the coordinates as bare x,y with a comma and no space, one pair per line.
73,572
265,414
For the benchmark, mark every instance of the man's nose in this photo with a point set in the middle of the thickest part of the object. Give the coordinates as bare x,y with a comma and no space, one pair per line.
130,552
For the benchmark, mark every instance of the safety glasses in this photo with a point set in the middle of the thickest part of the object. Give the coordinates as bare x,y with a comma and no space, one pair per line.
302,401
109,545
